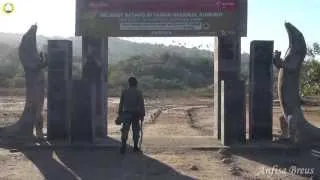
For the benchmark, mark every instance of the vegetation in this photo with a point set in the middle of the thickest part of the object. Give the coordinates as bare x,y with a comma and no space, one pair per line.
310,73
158,67
167,71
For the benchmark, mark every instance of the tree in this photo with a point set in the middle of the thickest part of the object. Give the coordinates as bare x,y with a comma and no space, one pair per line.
314,50
310,73
163,71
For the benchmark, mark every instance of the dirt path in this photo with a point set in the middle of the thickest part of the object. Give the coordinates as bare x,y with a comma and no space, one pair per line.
181,122
172,122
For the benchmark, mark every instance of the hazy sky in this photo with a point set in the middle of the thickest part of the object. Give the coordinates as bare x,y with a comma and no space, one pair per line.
265,21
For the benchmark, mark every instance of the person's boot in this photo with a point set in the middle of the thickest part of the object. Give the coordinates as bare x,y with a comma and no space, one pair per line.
136,148
123,147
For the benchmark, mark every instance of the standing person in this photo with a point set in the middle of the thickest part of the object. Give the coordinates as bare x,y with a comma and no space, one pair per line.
131,110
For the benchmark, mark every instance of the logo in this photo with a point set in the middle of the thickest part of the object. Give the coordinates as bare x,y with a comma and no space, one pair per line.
8,8
205,26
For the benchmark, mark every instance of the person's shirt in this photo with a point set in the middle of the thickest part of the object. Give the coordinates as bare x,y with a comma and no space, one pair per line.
132,101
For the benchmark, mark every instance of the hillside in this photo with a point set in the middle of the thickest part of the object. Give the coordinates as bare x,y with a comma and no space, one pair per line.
159,66
118,49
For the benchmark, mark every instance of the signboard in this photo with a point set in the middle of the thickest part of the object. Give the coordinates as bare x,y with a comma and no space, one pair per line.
161,17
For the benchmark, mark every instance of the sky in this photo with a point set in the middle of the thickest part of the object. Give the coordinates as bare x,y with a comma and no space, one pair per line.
265,22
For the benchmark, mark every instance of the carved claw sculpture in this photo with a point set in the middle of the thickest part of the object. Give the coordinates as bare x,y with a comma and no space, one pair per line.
293,123
33,64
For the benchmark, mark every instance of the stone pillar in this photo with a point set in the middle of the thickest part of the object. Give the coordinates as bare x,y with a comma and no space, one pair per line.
227,60
59,87
95,49
261,90
81,124
104,91
233,114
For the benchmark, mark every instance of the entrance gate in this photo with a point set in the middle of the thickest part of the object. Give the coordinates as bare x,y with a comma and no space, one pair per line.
96,20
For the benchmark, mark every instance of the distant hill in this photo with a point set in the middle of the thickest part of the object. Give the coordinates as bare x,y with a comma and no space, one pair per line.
118,49
159,66
5,49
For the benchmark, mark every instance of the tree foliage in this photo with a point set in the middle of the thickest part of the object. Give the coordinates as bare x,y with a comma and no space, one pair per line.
310,73
166,71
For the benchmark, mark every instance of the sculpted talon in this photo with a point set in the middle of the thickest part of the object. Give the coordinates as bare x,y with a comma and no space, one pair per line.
293,121
283,127
32,63
277,61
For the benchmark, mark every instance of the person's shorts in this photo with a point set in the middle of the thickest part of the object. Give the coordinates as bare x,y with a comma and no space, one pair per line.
128,116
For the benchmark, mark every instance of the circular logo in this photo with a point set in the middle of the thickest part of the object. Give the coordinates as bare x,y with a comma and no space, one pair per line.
8,8
205,26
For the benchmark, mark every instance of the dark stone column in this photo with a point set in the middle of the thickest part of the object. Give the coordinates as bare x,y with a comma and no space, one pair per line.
95,49
81,124
233,114
104,79
59,82
226,67
261,87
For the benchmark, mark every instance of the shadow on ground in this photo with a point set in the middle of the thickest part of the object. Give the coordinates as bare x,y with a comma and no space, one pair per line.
95,164
294,161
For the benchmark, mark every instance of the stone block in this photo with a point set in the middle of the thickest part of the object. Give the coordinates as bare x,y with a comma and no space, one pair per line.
59,79
261,90
226,66
233,112
81,121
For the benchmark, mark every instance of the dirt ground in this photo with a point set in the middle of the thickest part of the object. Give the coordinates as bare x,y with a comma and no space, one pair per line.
169,124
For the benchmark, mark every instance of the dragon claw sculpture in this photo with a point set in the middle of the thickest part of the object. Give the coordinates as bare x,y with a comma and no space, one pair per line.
33,64
292,121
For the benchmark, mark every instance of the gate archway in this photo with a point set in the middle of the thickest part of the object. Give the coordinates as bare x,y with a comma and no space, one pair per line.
96,20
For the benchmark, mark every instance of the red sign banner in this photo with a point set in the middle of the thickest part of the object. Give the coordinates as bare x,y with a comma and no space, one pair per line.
161,17
164,6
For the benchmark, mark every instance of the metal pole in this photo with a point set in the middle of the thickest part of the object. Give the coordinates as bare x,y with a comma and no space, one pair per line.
104,85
